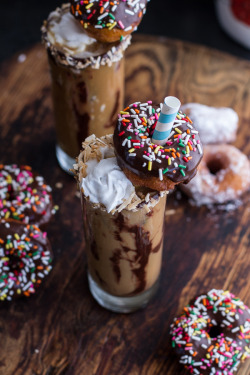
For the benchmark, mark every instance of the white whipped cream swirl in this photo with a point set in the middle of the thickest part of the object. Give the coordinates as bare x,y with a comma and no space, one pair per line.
66,33
106,183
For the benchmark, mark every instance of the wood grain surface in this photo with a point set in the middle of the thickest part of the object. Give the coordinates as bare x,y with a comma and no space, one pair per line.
61,330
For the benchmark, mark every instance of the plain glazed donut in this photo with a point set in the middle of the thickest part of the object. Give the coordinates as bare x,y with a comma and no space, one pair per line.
25,259
215,124
108,21
24,196
211,336
147,164
223,175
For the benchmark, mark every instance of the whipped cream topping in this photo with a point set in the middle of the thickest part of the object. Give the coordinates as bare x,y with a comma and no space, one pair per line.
106,183
66,33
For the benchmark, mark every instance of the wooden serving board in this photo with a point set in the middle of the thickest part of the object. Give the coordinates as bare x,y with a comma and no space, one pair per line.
62,330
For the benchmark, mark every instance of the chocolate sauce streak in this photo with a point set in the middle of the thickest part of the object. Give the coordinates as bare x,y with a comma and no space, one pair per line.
83,122
93,248
141,253
82,92
115,259
158,247
87,227
113,116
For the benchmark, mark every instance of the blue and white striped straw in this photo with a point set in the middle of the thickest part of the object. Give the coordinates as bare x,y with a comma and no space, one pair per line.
165,123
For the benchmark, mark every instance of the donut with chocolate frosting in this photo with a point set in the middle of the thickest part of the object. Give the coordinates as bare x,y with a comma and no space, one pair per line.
108,21
147,164
24,196
223,175
25,259
211,336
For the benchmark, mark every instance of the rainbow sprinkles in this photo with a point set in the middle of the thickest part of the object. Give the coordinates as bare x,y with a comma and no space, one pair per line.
176,159
25,259
108,14
212,335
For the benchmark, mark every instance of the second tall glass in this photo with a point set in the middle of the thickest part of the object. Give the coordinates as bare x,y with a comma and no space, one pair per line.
87,83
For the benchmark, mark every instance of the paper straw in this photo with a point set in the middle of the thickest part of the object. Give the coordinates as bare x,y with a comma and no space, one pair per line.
165,123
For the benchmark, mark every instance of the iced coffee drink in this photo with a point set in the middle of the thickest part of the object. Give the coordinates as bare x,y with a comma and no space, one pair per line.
87,82
123,227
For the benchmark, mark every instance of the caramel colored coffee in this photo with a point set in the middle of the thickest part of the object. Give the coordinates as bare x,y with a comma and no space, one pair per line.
123,227
87,80
85,101
124,250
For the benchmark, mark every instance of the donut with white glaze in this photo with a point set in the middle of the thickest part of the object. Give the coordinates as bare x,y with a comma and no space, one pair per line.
223,175
215,124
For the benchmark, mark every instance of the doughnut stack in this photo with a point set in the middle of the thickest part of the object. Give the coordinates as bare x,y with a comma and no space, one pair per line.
224,173
25,252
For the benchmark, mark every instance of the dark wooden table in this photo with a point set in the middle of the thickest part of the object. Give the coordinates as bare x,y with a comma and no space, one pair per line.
61,330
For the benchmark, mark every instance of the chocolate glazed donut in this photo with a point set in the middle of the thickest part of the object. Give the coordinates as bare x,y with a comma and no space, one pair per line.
211,336
24,195
108,21
147,164
25,259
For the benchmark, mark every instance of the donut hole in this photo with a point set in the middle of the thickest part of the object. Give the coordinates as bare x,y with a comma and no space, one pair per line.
215,165
15,262
214,331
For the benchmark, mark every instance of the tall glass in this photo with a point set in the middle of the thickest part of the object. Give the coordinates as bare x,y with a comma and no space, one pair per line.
87,92
124,248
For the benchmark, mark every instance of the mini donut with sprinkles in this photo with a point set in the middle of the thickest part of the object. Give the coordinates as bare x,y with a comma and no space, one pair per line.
211,336
24,196
25,259
108,21
147,164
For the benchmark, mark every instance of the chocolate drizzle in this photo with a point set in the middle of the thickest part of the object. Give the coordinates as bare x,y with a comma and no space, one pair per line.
112,120
115,259
142,251
82,92
82,122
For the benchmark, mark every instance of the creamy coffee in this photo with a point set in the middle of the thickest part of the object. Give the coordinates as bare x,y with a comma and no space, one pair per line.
87,82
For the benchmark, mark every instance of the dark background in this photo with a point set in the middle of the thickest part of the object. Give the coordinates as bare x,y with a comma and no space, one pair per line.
191,20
